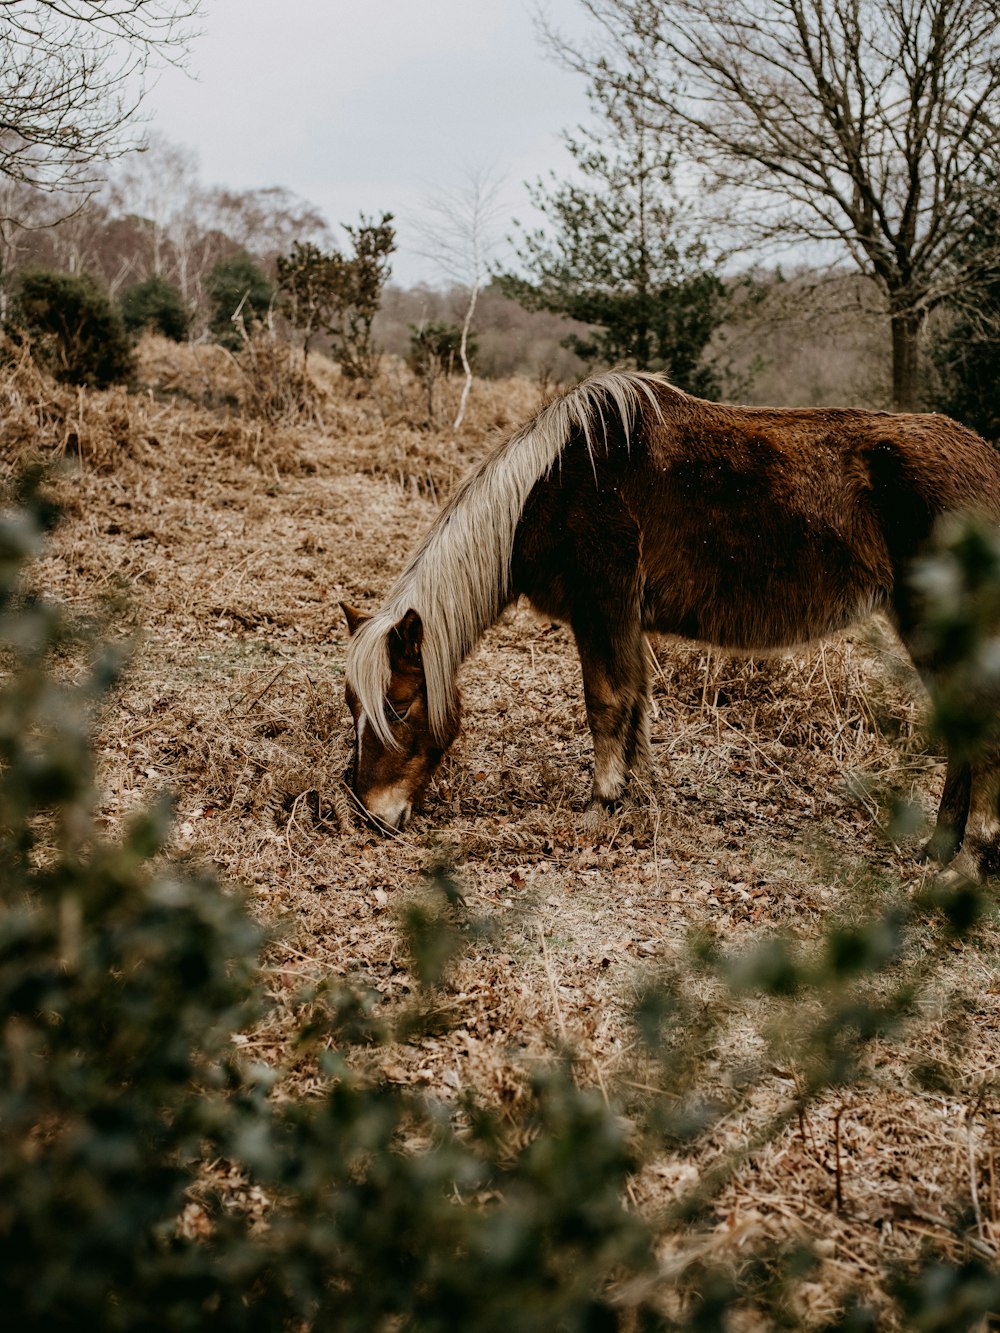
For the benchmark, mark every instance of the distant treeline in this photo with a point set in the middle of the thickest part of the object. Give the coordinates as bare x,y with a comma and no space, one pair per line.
785,338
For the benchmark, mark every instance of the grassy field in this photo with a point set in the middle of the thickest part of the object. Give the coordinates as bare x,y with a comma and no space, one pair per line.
221,528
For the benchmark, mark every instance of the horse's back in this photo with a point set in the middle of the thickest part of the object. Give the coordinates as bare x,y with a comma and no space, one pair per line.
752,528
814,457
763,527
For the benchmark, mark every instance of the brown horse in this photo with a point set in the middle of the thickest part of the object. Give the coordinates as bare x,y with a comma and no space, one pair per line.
627,506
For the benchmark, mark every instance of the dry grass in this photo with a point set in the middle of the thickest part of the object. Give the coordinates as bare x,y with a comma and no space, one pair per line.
235,539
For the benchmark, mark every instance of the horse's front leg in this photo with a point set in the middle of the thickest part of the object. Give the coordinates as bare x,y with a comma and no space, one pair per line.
616,691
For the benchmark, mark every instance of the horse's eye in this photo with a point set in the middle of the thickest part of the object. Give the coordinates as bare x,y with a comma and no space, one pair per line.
401,717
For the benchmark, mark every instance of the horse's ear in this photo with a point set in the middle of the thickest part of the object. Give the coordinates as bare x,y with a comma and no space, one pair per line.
354,617
406,639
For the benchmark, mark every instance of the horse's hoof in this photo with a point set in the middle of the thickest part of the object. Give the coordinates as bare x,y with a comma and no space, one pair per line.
942,848
964,869
598,813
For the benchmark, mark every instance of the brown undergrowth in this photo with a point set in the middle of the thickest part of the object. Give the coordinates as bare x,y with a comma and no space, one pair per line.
232,539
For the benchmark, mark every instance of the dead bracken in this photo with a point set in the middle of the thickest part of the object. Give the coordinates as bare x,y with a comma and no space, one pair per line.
228,544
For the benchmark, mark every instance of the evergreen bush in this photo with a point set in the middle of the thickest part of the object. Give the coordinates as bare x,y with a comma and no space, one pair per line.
357,282
73,329
240,294
436,344
435,351
155,305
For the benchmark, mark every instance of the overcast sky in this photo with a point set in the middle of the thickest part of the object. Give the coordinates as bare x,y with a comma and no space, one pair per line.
372,105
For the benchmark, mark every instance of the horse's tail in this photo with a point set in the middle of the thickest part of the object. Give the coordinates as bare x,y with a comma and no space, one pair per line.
459,577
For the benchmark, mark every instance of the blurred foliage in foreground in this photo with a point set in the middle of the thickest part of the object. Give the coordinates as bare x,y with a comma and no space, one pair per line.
123,1097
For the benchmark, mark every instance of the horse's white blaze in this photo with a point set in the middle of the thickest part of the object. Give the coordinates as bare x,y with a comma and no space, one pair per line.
391,805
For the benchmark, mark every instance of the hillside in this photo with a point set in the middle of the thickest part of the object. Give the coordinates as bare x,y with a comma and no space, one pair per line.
224,541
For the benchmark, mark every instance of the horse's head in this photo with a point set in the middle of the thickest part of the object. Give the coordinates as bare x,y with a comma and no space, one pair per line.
390,779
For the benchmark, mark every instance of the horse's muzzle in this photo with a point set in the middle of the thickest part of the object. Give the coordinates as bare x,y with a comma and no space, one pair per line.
388,811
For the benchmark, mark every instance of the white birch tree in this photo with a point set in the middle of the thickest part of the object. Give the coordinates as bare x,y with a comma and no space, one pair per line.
460,233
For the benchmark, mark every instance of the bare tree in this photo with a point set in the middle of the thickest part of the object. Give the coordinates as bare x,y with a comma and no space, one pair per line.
196,245
173,214
460,233
35,214
52,229
267,222
75,238
158,188
869,126
72,75
185,228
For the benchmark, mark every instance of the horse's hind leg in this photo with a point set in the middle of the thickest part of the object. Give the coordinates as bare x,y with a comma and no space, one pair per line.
967,820
979,855
616,691
953,813
956,797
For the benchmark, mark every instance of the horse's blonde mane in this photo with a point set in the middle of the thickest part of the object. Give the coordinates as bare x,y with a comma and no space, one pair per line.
459,577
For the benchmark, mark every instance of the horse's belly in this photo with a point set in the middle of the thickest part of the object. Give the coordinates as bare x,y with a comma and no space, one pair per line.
755,590
741,627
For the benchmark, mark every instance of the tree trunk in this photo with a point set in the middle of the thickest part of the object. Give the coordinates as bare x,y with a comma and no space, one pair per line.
464,353
906,325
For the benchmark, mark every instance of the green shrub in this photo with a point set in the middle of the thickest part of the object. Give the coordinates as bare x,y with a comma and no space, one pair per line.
308,280
240,294
73,329
119,988
435,349
965,341
357,284
966,354
155,305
